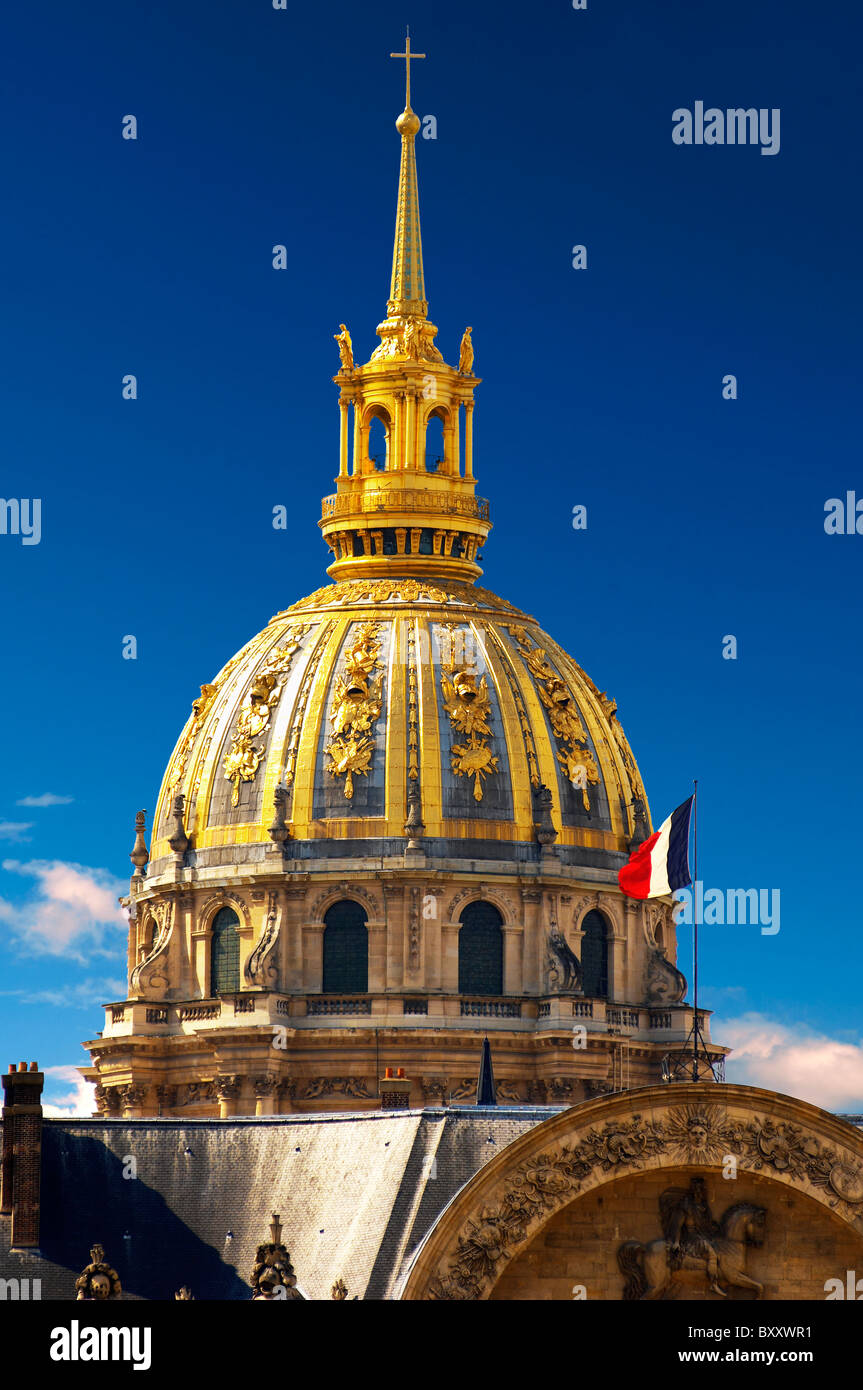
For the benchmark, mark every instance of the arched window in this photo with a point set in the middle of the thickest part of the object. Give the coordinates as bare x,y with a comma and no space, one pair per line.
435,442
225,953
480,950
379,442
594,956
346,949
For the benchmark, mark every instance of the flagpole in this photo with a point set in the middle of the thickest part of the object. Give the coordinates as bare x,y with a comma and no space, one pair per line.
695,927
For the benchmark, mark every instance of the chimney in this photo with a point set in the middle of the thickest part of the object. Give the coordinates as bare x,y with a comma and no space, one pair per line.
395,1089
21,1171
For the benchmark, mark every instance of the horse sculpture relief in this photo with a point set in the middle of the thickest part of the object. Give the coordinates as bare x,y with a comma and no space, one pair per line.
693,1243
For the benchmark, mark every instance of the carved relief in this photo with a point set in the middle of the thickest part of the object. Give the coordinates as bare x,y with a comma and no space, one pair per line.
692,1241
344,890
434,1089
335,1085
377,591
563,968
700,1133
150,976
355,709
261,967
223,899
509,1091
665,983
464,1090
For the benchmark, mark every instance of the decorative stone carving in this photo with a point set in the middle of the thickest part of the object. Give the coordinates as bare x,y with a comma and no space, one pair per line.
560,1090
689,1134
178,840
184,1295
140,855
434,1089
692,1241
665,983
166,1097
263,1086
273,1274
563,967
150,977
98,1282
132,1097
228,1087
597,1086
279,831
537,1092
509,1091
464,1090
543,824
339,1291
262,967
335,1085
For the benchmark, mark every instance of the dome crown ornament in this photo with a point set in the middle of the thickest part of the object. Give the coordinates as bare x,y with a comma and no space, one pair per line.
403,506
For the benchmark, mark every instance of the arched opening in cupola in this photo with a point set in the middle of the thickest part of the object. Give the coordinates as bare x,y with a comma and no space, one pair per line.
346,949
435,442
480,950
377,441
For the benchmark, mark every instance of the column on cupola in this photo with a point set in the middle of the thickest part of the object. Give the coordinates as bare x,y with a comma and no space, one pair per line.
344,405
468,441
358,436
398,430
411,460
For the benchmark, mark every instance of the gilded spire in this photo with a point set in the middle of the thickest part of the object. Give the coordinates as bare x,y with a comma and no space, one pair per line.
407,287
405,499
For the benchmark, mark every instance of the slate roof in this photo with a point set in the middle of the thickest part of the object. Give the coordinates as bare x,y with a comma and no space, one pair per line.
356,1194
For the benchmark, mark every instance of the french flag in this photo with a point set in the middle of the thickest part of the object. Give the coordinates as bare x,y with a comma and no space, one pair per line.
661,864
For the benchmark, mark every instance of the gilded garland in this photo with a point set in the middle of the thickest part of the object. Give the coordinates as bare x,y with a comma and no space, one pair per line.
355,709
574,755
468,706
245,753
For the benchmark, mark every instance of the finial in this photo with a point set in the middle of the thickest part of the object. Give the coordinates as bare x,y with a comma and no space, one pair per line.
179,840
414,825
184,1295
339,1291
279,831
276,1229
140,856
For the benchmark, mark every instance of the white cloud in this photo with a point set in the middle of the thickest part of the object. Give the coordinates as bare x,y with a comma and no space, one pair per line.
71,908
797,1061
71,1094
15,829
46,799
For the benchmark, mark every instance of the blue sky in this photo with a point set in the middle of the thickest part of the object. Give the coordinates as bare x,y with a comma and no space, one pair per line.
601,387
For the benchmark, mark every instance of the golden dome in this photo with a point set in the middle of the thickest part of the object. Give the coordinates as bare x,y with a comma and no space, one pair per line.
370,690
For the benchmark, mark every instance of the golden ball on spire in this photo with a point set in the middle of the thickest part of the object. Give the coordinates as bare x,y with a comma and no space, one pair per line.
408,123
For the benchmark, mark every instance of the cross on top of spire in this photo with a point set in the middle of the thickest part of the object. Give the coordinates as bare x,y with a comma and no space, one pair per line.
407,55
